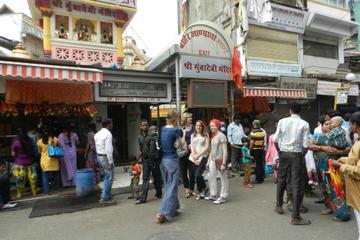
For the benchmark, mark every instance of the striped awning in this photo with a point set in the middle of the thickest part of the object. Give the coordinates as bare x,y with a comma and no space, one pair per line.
32,71
274,92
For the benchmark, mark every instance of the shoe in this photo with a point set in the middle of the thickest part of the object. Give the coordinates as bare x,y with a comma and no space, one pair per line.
220,200
157,196
140,202
304,210
320,201
9,205
300,221
131,197
198,197
211,198
310,182
177,213
110,201
248,186
161,218
279,210
187,195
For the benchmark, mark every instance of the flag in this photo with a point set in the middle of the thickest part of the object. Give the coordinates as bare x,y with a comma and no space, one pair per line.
236,73
184,15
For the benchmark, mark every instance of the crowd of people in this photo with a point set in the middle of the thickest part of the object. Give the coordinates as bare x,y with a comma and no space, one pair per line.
328,160
34,163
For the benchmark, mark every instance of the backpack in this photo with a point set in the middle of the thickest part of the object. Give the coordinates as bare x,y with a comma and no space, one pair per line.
155,151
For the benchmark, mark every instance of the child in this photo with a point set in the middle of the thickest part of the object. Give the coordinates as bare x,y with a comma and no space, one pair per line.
135,178
337,135
246,159
5,188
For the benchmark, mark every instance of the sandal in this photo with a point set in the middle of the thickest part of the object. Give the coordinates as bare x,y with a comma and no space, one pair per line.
187,195
327,212
161,218
336,219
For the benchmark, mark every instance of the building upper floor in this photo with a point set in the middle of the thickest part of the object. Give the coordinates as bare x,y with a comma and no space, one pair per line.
83,31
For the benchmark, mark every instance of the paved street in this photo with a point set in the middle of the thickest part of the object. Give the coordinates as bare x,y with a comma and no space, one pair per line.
248,216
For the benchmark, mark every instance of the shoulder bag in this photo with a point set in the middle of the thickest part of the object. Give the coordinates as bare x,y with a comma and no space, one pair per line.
55,151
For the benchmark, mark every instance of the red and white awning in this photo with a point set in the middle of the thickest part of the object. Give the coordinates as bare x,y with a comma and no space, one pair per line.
274,92
24,70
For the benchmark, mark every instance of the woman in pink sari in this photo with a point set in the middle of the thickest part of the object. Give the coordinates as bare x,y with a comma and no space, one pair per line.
68,140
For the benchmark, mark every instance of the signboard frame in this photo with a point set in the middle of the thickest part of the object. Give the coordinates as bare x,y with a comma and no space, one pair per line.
135,98
190,102
309,84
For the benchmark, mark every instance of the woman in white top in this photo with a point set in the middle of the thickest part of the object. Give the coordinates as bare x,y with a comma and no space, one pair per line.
199,156
217,162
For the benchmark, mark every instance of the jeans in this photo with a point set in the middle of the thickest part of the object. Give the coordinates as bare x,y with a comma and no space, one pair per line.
153,169
199,170
108,178
259,160
292,164
4,189
187,172
45,181
170,172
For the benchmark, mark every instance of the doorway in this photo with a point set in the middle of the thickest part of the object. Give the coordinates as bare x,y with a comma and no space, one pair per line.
117,112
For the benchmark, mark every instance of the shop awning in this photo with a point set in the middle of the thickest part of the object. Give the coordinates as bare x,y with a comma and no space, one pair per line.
35,71
274,92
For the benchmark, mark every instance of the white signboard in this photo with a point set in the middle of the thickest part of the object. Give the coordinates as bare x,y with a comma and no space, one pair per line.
328,88
205,68
285,18
272,69
342,96
205,40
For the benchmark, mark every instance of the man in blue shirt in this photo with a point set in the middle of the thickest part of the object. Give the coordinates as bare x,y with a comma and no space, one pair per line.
235,133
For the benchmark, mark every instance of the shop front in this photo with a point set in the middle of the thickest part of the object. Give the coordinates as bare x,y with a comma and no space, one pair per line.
127,97
38,93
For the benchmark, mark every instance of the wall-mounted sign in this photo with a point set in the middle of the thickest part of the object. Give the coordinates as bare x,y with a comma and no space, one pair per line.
329,88
125,3
205,68
285,18
310,84
205,39
207,94
71,6
272,69
342,95
134,87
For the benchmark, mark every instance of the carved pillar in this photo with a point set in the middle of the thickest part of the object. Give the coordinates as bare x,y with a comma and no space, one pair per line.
120,19
46,11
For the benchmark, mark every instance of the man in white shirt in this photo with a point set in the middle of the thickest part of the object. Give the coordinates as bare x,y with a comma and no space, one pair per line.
292,141
104,151
235,133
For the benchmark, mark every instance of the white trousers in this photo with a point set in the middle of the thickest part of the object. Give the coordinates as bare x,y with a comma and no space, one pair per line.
224,192
357,215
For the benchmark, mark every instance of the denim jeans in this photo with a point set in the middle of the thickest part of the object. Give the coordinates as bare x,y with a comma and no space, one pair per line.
108,178
170,173
199,170
45,181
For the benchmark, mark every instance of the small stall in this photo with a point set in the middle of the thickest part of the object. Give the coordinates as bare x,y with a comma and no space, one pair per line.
36,93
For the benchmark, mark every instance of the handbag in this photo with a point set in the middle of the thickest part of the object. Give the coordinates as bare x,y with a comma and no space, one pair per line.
55,151
181,151
218,163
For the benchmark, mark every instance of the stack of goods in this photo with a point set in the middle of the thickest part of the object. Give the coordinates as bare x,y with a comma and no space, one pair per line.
8,110
59,110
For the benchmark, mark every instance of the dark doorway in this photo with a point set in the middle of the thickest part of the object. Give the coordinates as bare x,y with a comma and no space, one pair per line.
117,112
